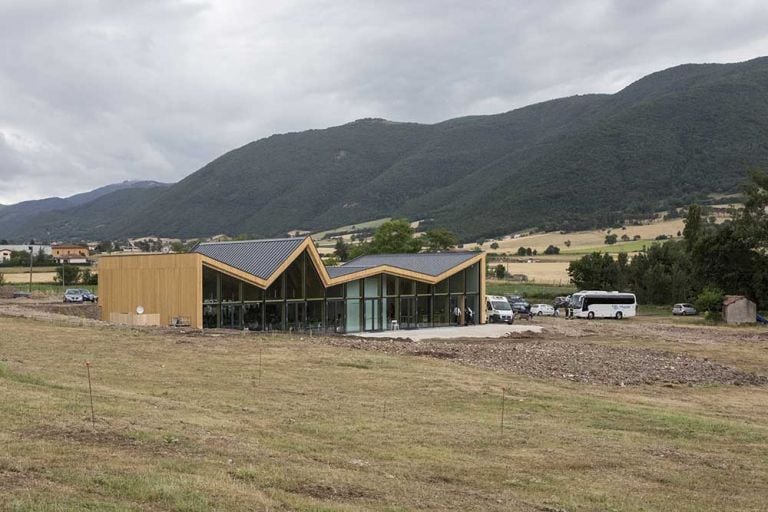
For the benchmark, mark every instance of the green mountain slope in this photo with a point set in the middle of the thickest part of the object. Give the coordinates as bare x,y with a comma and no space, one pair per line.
575,162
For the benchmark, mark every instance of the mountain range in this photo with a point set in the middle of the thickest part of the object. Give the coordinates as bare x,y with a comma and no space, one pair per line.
669,139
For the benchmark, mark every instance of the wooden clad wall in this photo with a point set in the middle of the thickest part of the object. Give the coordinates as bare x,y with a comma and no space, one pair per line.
169,285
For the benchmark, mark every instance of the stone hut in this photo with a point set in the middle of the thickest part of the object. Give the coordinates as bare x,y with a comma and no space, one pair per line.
738,309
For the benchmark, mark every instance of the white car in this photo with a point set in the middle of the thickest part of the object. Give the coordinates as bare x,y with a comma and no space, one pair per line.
543,310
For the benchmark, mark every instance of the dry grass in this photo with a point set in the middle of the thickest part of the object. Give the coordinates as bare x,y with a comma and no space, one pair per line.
21,278
185,423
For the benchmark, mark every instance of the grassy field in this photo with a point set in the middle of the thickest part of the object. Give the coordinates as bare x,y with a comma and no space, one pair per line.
528,290
238,422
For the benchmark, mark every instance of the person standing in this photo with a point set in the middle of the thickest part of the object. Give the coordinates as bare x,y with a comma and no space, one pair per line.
469,316
457,315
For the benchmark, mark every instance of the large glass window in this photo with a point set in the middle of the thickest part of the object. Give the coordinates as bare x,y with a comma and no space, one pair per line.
230,289
295,315
441,310
294,280
406,287
424,311
423,288
473,278
210,316
252,316
457,282
273,315
372,287
390,285
275,290
334,316
230,316
315,288
252,293
353,315
372,315
389,311
315,314
442,286
336,291
210,285
353,289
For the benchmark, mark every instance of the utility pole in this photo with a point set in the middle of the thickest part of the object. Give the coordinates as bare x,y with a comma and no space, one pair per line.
31,260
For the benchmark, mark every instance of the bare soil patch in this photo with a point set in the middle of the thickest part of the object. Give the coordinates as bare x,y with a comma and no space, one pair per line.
584,362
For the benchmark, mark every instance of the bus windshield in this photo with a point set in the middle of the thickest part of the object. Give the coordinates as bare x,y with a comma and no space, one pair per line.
500,306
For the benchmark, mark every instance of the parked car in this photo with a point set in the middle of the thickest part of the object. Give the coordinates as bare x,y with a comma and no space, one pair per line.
73,295
88,296
684,309
543,310
521,307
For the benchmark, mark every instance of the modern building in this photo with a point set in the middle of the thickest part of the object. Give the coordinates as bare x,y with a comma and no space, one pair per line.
282,284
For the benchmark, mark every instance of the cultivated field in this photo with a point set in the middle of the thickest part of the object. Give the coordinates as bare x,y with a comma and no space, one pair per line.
633,415
23,277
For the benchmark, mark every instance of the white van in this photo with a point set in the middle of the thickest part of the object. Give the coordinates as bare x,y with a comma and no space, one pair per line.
498,309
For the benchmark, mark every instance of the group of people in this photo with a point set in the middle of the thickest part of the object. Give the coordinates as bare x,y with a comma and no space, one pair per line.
469,316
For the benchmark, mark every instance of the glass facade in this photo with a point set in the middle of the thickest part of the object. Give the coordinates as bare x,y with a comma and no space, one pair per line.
298,301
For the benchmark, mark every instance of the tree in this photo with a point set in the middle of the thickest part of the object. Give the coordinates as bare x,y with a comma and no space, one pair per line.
710,301
89,278
611,239
625,238
71,274
495,245
552,250
521,251
104,246
567,243
439,240
341,249
692,229
395,236
596,271
500,271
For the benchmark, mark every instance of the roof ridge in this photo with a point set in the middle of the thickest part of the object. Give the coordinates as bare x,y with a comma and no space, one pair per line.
258,240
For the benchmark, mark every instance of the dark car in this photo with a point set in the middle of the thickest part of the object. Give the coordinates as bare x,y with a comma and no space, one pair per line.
89,296
521,307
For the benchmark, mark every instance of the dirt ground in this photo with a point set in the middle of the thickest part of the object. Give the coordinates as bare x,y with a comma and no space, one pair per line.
642,350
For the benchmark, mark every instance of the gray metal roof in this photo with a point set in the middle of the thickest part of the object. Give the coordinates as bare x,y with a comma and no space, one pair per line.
431,264
259,258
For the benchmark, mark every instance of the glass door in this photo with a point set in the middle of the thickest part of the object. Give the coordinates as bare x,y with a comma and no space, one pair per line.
407,312
372,315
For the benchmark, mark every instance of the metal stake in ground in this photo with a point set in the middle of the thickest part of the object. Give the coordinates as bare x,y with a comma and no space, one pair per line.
90,392
503,391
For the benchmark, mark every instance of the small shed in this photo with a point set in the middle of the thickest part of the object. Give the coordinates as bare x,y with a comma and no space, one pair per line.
738,309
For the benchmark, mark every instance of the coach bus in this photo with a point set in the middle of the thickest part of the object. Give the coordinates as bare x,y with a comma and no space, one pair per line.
601,304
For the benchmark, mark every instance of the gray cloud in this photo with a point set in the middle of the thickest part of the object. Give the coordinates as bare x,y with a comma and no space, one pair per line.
98,92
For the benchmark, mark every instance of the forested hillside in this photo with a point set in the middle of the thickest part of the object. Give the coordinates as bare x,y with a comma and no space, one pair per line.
580,162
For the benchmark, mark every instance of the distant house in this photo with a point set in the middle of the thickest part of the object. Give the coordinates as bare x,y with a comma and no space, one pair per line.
738,309
5,255
73,254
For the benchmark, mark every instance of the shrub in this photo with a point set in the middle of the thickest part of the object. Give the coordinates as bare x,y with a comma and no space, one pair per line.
494,245
500,271
611,239
710,301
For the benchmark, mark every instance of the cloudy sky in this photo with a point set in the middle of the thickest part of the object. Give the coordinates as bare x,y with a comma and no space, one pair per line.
96,92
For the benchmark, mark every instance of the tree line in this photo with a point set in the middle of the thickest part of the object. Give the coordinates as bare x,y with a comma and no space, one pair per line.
711,260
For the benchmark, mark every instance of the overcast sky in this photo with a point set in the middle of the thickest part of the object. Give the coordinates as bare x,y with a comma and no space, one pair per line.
93,93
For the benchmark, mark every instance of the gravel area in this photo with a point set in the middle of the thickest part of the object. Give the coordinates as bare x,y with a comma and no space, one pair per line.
590,363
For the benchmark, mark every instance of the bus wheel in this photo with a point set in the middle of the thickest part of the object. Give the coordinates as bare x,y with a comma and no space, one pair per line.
591,315
619,315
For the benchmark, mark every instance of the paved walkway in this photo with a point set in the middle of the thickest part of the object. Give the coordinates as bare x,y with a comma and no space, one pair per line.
442,333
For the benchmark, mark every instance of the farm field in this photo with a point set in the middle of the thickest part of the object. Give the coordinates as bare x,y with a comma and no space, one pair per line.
23,277
234,421
588,241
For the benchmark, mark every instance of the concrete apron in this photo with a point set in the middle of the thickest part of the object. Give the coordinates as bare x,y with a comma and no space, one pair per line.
445,333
